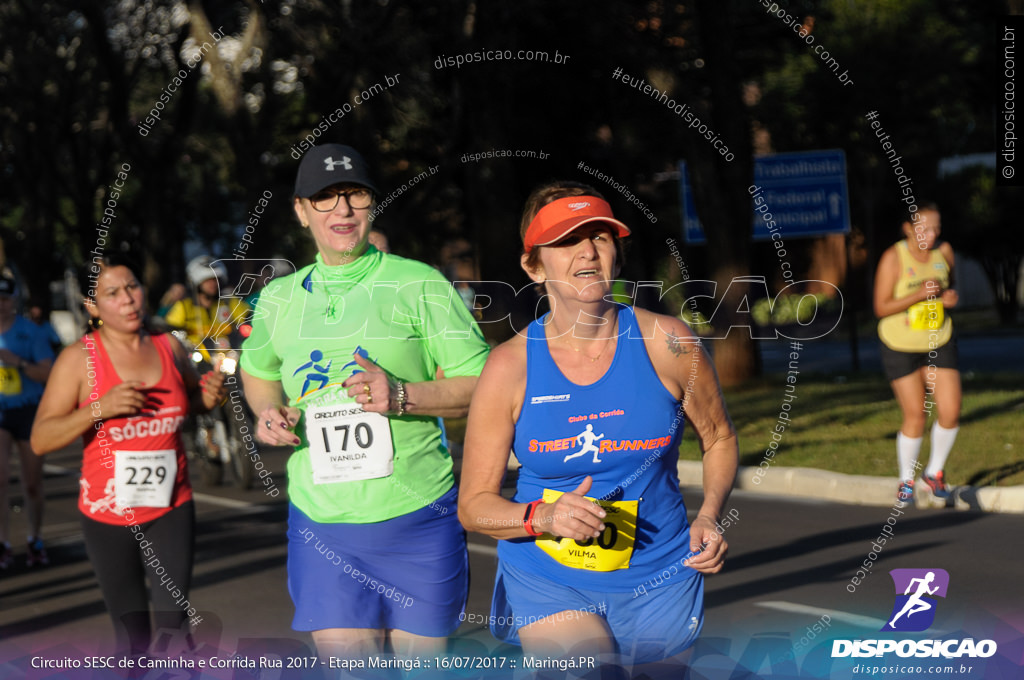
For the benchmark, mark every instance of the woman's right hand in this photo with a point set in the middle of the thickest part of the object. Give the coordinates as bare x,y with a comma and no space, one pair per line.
931,289
274,426
572,515
123,399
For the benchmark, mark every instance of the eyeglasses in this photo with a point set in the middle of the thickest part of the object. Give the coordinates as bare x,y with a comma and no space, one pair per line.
326,201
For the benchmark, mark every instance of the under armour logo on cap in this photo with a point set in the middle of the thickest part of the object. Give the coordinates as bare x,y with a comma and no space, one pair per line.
319,169
345,162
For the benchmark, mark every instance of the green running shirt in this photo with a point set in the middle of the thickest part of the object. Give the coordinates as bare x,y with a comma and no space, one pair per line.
406,317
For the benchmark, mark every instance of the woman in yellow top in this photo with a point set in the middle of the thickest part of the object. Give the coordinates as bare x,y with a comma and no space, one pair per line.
913,288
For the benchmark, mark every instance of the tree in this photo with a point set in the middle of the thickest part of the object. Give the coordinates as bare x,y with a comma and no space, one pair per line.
980,219
935,105
233,128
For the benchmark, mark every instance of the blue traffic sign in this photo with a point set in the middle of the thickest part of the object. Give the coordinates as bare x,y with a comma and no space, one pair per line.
799,194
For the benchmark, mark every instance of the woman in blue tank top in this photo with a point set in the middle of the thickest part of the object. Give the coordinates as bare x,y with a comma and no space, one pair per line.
596,555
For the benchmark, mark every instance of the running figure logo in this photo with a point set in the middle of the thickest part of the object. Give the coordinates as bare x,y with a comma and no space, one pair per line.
587,438
318,374
915,611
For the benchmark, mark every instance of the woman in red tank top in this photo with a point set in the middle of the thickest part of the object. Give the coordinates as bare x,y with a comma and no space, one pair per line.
127,392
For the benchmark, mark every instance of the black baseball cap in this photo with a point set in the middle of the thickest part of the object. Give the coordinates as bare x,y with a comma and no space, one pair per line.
7,285
328,164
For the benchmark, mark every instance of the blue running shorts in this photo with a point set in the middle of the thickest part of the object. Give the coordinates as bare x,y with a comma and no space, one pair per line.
647,626
408,573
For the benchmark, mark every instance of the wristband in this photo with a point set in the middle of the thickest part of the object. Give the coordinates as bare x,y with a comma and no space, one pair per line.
400,397
531,508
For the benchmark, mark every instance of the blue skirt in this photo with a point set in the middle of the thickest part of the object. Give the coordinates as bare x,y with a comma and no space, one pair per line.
645,627
409,573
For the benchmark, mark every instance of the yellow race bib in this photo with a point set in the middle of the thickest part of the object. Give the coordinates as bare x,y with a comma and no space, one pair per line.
610,551
926,315
10,381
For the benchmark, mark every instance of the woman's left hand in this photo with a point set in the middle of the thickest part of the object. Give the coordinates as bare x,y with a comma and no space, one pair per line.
373,389
709,544
214,391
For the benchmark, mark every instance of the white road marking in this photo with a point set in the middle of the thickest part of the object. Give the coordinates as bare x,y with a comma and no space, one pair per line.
58,470
229,502
482,549
846,617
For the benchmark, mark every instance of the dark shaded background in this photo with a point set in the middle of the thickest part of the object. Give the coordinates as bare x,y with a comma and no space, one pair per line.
76,79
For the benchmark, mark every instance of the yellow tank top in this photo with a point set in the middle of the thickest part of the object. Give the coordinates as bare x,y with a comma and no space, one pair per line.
924,326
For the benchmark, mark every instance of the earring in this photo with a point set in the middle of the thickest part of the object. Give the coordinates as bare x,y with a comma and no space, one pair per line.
95,322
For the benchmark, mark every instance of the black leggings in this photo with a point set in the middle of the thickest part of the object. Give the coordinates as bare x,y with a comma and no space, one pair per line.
121,569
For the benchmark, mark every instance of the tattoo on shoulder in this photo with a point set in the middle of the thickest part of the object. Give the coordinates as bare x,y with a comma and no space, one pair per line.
680,346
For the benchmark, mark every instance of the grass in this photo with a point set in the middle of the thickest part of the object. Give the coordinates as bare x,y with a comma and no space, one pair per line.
851,426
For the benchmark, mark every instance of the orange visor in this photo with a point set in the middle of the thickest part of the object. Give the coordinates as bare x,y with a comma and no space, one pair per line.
559,218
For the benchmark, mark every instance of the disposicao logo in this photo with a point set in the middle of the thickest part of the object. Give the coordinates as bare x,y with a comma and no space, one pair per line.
914,611
915,605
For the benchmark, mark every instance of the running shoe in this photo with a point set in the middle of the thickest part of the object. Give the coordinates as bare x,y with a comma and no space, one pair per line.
906,490
37,554
6,557
937,484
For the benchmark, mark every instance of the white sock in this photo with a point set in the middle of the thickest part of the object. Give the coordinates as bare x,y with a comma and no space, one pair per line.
942,444
907,449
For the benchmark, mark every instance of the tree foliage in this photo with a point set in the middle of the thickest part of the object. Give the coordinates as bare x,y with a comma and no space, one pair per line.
78,79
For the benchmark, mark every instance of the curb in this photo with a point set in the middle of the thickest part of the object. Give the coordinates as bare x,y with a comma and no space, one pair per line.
811,483
859,489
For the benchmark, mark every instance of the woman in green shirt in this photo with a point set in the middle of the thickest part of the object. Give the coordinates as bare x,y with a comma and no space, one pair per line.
341,365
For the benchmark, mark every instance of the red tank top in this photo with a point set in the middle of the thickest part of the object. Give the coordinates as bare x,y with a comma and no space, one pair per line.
128,463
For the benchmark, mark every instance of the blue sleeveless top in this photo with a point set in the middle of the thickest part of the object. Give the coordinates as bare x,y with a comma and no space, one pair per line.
624,431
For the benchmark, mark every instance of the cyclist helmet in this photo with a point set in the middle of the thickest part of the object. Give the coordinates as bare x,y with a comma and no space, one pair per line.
204,267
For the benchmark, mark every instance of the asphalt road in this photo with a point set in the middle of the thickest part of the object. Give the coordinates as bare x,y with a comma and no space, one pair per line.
789,565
